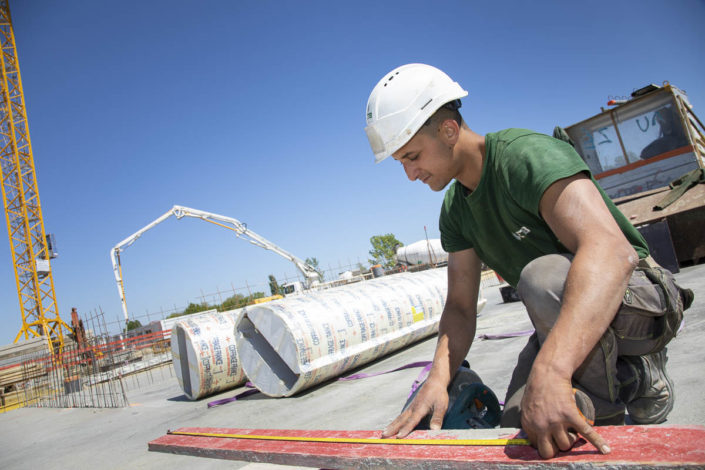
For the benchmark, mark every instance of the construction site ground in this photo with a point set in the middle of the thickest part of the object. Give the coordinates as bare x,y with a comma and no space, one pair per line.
84,438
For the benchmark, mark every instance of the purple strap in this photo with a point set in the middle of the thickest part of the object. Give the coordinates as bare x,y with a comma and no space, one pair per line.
514,334
252,390
420,378
374,374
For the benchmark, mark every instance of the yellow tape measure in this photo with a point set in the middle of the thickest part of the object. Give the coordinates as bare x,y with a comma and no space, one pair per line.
350,440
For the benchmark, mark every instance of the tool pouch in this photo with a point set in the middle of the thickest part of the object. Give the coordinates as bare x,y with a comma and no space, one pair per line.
651,312
666,325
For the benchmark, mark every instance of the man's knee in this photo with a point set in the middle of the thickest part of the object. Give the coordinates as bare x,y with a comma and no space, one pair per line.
546,273
540,287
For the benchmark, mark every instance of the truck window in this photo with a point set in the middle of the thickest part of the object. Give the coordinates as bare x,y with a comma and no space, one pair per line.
598,144
288,289
647,129
651,129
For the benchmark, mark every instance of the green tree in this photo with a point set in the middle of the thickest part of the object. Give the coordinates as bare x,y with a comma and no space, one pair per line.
132,324
232,302
274,286
191,308
313,262
195,308
384,250
239,301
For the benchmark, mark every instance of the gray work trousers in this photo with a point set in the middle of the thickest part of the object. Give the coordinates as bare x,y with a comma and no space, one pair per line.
633,332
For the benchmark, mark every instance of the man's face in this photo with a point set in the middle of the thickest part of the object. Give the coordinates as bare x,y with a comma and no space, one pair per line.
427,158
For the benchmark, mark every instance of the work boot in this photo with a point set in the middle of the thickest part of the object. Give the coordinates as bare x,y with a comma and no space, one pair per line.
687,297
653,398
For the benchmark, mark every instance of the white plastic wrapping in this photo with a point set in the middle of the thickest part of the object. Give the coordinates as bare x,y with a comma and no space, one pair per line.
291,344
422,252
204,353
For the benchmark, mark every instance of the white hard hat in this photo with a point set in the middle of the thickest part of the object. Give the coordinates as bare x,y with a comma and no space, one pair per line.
402,101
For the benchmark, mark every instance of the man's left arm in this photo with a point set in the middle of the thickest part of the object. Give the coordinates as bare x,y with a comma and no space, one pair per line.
596,282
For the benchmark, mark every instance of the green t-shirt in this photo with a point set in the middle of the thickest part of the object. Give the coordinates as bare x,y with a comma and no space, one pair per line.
501,219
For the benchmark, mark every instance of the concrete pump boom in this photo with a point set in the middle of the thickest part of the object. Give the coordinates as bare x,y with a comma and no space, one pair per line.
240,229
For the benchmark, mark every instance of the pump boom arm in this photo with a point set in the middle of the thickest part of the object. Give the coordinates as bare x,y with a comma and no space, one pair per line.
240,229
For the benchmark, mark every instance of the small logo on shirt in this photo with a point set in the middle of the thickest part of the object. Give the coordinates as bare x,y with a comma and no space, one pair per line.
521,233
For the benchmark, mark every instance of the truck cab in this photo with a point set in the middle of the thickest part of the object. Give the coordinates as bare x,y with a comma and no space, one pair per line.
642,152
293,288
642,143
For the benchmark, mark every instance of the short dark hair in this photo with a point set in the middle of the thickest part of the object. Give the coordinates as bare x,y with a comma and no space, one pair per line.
449,110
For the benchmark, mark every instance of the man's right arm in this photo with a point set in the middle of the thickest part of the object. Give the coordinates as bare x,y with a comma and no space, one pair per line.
455,334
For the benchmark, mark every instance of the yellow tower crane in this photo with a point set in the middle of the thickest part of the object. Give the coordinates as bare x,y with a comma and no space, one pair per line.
23,212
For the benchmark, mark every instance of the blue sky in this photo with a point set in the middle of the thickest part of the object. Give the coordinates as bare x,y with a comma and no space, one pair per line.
255,110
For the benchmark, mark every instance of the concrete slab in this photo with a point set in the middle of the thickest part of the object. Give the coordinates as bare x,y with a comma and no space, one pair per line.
117,438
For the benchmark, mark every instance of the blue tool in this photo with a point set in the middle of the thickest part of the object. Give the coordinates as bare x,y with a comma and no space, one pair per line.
471,404
476,407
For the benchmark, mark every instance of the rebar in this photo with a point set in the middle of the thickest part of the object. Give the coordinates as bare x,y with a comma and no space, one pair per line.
79,376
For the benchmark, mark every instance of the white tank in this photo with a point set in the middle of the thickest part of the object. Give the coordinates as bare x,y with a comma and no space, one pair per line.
204,353
294,343
422,252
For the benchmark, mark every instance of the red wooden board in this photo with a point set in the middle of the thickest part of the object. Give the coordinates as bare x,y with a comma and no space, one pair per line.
632,447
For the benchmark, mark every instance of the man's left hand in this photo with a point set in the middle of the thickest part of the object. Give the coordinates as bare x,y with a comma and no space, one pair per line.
550,416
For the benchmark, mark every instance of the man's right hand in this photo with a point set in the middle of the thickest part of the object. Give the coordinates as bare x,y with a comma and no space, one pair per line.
432,397
458,321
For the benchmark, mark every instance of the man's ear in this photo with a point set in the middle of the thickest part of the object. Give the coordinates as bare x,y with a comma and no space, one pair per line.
450,131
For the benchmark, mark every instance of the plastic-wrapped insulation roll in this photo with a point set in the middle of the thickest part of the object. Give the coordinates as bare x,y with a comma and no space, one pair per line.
291,344
204,353
422,252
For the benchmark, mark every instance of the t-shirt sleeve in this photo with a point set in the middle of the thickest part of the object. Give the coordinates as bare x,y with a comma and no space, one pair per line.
536,161
452,238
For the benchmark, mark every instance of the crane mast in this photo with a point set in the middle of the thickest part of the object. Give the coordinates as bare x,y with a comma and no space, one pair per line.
23,212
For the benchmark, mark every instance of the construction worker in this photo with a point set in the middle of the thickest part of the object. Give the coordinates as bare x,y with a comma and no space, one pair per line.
526,205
